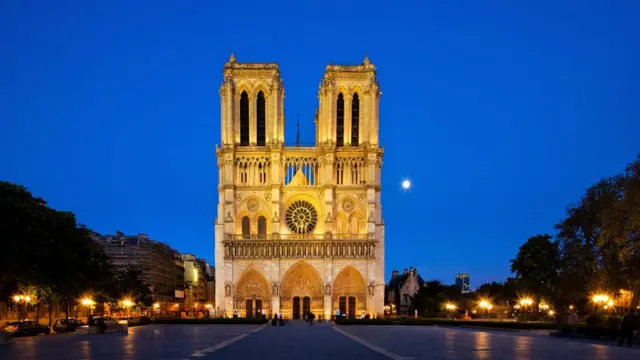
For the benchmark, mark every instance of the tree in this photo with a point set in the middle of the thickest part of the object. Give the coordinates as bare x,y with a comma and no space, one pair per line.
46,248
536,264
24,235
600,238
130,283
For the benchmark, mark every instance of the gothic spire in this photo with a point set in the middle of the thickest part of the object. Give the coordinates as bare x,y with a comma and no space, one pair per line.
298,131
366,60
232,58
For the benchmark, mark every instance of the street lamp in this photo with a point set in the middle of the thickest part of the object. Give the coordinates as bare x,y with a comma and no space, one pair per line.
524,303
600,299
485,305
88,303
127,304
22,300
451,307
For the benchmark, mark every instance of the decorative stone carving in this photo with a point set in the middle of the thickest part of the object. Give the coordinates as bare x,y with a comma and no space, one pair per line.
372,289
227,290
362,196
267,195
327,289
348,205
253,204
238,196
320,193
274,290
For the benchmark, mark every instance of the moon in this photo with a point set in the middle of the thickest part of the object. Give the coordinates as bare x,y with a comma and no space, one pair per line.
406,184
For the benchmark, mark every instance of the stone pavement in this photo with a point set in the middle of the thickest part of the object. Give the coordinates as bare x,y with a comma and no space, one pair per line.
301,341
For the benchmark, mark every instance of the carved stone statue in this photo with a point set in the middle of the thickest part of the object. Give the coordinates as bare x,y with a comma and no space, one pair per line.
227,290
327,289
274,289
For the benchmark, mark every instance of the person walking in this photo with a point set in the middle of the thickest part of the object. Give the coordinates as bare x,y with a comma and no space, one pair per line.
629,325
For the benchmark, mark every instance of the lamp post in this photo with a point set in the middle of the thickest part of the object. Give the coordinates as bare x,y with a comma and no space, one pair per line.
22,301
600,299
524,303
485,305
450,307
127,304
88,302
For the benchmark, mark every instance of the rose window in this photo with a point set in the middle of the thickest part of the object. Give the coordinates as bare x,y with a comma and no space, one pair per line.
301,217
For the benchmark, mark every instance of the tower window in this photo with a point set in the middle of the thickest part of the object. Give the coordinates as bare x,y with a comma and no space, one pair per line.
353,226
262,227
340,121
244,119
355,120
246,227
260,112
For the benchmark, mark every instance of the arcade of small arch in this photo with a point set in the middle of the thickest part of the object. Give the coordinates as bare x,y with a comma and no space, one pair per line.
301,290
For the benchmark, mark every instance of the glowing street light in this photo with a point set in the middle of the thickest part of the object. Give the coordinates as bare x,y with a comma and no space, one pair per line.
156,306
551,312
24,300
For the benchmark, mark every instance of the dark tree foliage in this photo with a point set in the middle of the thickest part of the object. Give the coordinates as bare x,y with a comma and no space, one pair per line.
536,265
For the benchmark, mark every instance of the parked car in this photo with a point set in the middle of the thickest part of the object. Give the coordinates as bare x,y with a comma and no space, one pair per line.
25,328
103,323
66,325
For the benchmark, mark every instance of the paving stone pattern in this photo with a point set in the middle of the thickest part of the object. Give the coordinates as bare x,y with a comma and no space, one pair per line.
301,341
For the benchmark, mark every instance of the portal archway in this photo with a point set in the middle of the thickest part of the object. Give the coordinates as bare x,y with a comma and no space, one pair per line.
252,295
301,291
349,292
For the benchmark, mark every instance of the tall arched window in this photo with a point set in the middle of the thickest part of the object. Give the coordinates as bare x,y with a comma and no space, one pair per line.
340,121
353,226
246,227
355,120
339,226
260,113
262,227
244,119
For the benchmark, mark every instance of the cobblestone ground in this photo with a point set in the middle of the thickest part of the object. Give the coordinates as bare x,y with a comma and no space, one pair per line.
461,344
300,341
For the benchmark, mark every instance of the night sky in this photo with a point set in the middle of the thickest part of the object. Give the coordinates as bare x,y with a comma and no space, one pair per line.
500,114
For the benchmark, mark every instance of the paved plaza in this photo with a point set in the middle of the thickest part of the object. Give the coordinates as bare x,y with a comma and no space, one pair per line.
300,341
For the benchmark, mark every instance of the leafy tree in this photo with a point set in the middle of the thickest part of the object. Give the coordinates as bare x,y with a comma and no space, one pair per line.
130,283
536,264
46,248
23,234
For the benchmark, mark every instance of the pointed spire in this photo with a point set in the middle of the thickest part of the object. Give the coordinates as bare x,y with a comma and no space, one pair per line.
232,58
366,60
298,132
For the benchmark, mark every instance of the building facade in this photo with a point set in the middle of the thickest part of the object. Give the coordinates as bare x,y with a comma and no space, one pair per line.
299,228
401,288
463,281
161,266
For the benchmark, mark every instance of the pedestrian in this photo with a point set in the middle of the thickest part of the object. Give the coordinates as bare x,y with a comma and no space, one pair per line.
629,325
274,322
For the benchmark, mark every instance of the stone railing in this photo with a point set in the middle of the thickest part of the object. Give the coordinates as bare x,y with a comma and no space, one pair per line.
300,248
300,237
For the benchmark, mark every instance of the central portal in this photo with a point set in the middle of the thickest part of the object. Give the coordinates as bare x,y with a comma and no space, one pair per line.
301,292
299,312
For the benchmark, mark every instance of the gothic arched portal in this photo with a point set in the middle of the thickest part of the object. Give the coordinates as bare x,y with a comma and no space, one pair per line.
301,291
349,292
252,295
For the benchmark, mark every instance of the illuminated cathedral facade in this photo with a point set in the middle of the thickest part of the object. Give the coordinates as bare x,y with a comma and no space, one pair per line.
299,228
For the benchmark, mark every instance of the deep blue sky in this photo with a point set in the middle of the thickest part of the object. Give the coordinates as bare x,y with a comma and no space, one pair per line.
501,114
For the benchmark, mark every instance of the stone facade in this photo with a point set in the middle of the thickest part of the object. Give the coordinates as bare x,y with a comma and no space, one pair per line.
299,228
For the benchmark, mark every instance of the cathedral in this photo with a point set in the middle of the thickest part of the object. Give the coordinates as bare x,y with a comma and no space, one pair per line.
299,228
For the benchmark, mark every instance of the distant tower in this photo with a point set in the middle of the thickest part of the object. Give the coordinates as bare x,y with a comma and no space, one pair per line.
463,281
